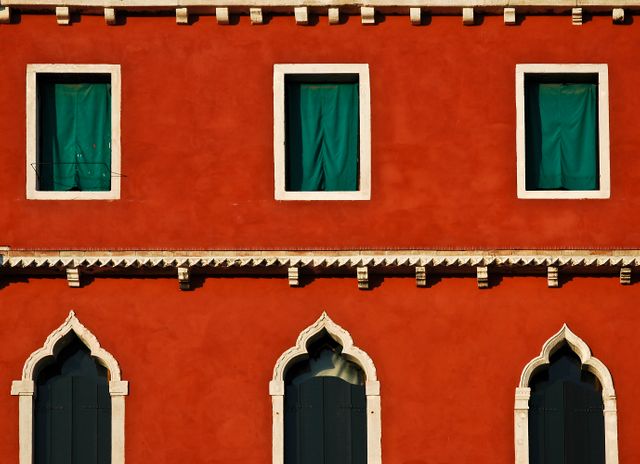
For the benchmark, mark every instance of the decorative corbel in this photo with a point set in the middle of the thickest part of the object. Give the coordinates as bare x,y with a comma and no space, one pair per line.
415,14
468,16
363,277
73,277
184,278
110,16
482,275
510,16
552,277
368,14
182,15
625,276
63,15
576,16
302,15
256,16
617,15
294,276
5,15
421,276
222,15
334,15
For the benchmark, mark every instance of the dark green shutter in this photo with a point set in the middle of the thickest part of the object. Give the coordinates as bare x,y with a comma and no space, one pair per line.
325,422
561,136
584,425
75,137
72,411
566,425
322,136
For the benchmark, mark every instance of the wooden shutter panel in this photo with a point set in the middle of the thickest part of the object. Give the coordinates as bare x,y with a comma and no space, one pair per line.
311,426
85,420
584,425
325,422
104,423
358,425
60,421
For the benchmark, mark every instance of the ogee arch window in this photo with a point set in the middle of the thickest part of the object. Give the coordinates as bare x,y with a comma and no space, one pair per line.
325,408
566,421
72,408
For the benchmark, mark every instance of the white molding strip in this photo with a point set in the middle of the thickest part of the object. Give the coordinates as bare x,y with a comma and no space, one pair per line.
316,259
25,388
353,354
590,363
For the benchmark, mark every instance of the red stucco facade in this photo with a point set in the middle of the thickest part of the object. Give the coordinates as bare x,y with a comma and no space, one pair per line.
197,166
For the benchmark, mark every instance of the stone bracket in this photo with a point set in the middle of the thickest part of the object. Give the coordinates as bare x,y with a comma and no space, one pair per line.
302,15
510,17
110,17
576,16
5,15
334,15
182,16
362,273
421,276
222,15
468,16
368,15
415,14
294,276
617,15
482,275
553,277
63,15
256,16
184,279
625,276
73,277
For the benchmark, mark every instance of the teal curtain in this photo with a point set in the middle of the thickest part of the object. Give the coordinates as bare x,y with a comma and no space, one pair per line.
561,136
75,137
322,136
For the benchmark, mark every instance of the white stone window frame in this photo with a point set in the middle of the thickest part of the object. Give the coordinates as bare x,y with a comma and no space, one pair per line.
113,70
25,388
601,70
590,363
351,353
280,72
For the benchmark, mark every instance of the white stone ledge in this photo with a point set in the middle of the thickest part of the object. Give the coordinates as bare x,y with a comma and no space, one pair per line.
25,260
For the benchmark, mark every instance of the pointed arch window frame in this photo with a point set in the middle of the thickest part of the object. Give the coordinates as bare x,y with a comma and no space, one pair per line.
25,388
351,353
590,363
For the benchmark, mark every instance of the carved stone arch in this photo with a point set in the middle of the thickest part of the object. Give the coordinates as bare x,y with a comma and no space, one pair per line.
349,351
589,362
25,387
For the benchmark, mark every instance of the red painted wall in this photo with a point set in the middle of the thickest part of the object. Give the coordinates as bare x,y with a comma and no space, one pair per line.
448,357
197,137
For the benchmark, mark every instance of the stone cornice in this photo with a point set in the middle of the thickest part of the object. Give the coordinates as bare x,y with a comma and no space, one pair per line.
316,259
301,10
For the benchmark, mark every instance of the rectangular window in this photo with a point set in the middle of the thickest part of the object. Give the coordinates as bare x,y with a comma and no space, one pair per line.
322,132
73,127
562,131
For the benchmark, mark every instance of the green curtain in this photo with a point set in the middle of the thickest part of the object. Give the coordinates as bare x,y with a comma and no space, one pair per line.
75,137
562,136
322,136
